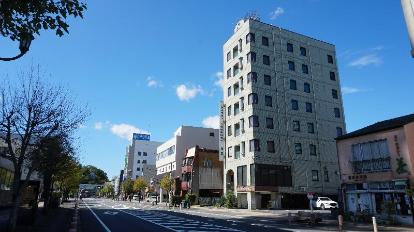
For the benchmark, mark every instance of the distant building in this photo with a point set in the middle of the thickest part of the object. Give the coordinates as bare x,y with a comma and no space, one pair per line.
281,112
171,153
376,165
202,175
149,171
141,152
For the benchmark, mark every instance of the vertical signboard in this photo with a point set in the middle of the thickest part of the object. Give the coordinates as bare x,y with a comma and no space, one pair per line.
222,133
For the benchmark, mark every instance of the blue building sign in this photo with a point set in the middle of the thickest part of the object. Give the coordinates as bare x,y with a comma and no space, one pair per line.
136,136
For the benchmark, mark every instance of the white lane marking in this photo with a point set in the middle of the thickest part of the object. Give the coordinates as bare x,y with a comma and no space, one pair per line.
97,218
145,220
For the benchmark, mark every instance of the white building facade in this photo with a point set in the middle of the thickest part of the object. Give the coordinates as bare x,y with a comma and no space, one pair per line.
282,111
141,152
171,153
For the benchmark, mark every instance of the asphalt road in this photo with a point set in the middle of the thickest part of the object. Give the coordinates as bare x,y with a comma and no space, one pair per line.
110,216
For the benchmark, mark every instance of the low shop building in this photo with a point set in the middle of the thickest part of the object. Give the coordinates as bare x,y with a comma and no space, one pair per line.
376,165
202,175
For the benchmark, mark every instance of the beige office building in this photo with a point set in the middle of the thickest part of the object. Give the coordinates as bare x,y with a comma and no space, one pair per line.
282,111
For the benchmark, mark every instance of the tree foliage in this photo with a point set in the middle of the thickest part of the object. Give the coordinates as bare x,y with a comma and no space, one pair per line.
140,184
128,187
166,183
108,190
93,175
31,16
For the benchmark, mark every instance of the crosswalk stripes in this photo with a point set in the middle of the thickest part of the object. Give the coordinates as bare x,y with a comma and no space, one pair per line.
176,223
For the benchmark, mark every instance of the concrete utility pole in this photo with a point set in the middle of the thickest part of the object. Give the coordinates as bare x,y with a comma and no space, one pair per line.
408,9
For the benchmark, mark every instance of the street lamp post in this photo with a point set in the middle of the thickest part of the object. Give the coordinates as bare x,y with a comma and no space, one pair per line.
25,39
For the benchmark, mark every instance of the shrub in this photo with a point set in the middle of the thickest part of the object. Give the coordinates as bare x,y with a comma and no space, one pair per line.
221,202
191,198
231,200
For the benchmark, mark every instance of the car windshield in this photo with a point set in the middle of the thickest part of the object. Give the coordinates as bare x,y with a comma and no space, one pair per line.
325,199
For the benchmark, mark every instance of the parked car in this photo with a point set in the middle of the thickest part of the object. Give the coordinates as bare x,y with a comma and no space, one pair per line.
325,203
135,197
153,199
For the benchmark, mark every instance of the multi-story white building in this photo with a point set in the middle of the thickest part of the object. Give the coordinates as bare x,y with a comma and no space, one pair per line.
171,153
282,111
141,152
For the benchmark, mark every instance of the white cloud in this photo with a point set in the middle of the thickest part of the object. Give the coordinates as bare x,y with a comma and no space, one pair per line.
350,90
370,59
98,125
186,93
219,81
151,82
211,122
276,13
125,131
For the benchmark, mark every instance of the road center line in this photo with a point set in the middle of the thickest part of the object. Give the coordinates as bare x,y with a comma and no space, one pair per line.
97,218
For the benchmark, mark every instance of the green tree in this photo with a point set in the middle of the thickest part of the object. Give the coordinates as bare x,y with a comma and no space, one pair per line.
140,184
69,178
108,190
20,20
128,187
93,175
166,184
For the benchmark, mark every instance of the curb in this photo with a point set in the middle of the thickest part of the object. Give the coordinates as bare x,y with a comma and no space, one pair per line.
75,219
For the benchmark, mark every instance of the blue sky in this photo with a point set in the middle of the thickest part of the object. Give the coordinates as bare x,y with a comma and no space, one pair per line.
154,65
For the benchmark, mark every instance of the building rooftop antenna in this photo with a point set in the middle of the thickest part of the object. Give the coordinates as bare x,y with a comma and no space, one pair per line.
253,15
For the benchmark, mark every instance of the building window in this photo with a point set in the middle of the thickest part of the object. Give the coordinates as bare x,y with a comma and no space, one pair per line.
242,103
295,105
252,99
254,145
265,41
144,161
252,77
298,148
138,161
144,153
211,134
229,91
236,109
332,76
289,47
305,69
229,130
229,111
242,175
250,38
230,152
235,52
315,175
291,65
325,175
236,129
228,56
311,128
293,84
337,113
330,59
339,131
302,51
236,69
306,87
296,125
335,93
236,89
243,148
371,156
242,125
254,121
267,80
268,101
266,60
228,72
251,57
139,153
271,146
138,169
269,123
237,152
312,149
308,107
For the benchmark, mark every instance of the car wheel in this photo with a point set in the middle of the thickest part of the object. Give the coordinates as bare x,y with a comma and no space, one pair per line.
323,207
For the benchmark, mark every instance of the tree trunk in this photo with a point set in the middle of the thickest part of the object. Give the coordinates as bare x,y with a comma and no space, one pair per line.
47,182
16,197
